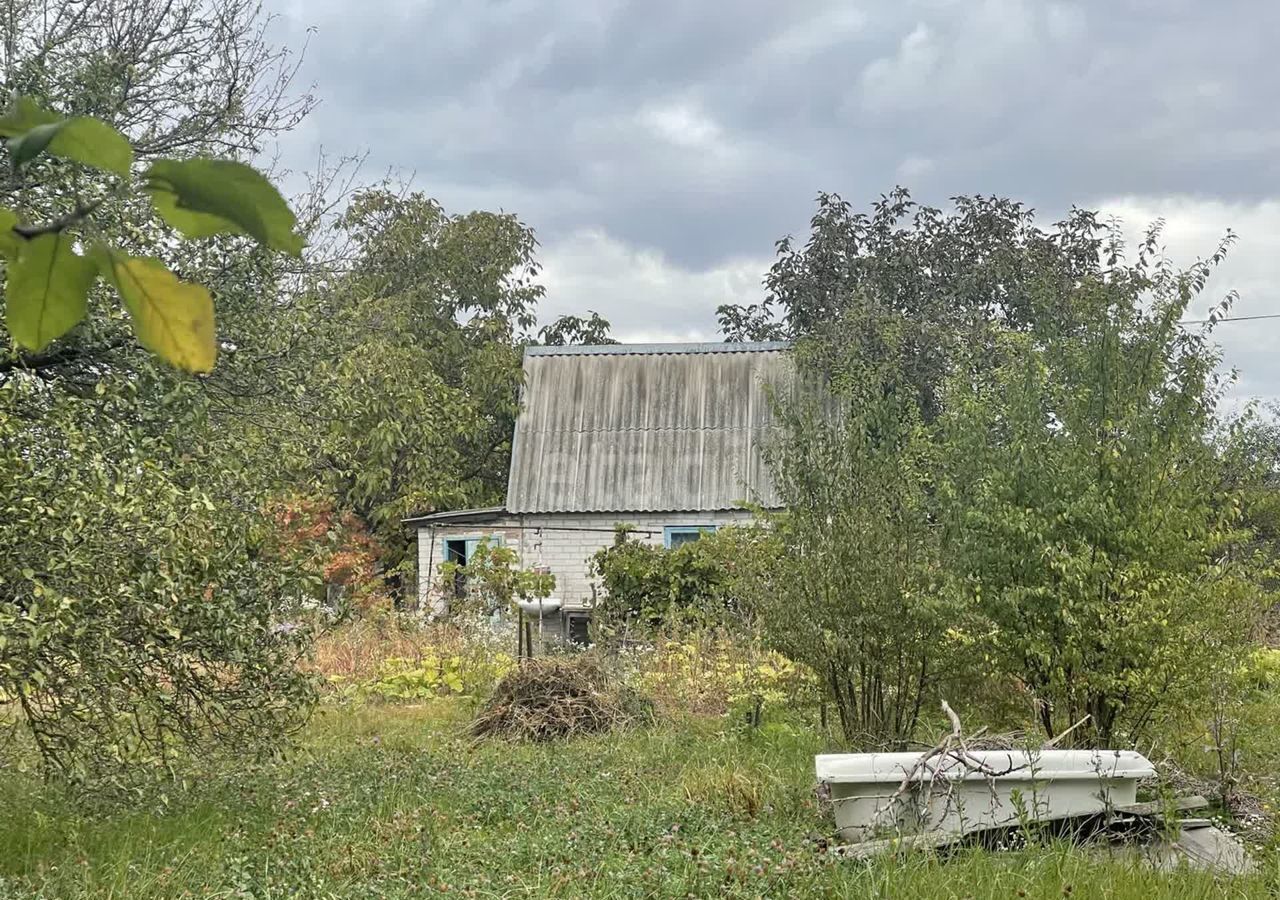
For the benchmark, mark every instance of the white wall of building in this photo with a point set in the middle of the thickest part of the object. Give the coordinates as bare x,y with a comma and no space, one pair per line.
564,542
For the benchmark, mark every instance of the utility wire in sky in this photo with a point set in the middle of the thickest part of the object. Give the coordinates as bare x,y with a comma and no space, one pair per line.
1228,319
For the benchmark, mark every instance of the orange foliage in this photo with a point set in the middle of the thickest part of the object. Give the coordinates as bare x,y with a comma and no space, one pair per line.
336,546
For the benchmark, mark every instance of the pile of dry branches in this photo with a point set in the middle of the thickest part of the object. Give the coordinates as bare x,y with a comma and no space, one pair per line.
555,697
953,757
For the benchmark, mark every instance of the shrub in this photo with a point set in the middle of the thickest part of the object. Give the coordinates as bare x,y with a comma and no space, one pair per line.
1260,671
493,580
435,676
338,547
852,589
399,658
696,584
142,614
1082,503
718,675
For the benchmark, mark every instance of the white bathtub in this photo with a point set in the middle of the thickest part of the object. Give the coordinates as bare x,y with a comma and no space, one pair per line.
1033,786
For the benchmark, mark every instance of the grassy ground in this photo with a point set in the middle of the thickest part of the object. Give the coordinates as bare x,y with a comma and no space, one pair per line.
392,802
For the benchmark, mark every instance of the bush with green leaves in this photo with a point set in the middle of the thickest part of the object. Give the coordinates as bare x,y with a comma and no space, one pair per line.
141,616
698,583
493,580
711,672
1024,475
472,673
853,589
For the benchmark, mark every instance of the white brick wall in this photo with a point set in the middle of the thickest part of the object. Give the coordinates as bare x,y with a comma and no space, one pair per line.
562,541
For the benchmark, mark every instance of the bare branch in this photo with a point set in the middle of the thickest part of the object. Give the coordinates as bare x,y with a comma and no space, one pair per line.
1049,744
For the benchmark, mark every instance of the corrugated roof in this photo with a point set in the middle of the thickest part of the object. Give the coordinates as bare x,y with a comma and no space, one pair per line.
644,427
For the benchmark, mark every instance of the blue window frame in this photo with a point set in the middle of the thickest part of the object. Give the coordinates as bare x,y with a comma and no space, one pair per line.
459,548
675,535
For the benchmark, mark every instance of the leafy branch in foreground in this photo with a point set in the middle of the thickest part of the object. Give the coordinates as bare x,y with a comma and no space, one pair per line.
53,266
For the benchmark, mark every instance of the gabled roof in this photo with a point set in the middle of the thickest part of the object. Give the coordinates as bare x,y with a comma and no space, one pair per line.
645,427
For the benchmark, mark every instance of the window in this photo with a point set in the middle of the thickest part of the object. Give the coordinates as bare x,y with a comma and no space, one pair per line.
675,535
459,550
579,628
456,552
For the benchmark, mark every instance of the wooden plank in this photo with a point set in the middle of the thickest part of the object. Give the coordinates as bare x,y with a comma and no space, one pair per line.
1159,807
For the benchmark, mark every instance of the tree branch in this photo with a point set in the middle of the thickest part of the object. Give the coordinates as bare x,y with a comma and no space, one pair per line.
75,217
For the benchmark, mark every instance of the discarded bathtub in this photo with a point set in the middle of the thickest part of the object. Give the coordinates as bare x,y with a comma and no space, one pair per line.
877,794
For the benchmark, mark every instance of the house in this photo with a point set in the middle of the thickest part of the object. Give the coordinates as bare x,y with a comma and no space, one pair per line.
666,438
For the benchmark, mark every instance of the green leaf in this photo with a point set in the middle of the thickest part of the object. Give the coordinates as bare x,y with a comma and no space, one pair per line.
204,197
28,146
10,242
172,318
47,289
23,115
33,130
94,143
190,224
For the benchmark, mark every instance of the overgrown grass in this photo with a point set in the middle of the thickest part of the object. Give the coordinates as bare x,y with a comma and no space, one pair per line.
393,801
359,649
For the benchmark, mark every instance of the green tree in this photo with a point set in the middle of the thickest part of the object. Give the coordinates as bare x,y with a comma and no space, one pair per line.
180,80
853,592
1083,505
939,276
1251,451
406,384
49,280
576,330
1077,483
180,77
139,612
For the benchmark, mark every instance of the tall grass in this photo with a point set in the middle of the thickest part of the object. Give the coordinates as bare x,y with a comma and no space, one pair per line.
395,801
357,650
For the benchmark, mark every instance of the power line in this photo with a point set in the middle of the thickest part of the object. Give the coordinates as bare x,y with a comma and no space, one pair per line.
1227,319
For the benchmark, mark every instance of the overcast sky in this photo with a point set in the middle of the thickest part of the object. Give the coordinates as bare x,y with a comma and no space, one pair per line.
659,148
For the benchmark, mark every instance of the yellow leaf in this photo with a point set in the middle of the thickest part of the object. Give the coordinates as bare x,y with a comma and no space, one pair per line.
172,318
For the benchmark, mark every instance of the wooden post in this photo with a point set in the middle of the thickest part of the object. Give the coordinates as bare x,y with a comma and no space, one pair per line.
520,635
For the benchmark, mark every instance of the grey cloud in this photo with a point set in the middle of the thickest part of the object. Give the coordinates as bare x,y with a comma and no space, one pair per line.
702,130
1058,102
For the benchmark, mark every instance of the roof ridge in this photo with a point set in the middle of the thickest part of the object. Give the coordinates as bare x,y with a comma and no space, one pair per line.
660,349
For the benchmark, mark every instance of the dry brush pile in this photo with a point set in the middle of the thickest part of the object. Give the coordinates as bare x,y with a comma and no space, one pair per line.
556,697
